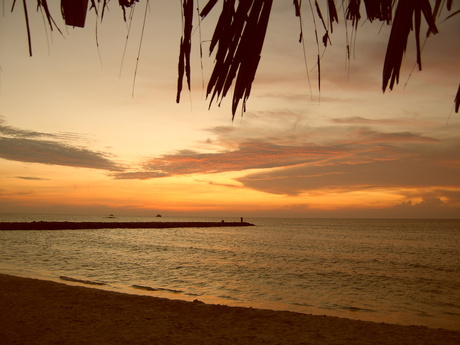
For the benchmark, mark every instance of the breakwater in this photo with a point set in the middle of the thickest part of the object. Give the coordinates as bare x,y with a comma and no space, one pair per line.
42,225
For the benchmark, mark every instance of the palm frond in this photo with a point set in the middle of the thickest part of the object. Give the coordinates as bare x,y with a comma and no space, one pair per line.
185,47
453,14
297,8
378,9
207,8
332,10
124,4
44,5
240,35
457,100
240,31
26,16
353,12
402,25
74,12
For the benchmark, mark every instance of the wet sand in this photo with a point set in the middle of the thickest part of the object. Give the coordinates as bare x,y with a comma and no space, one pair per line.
41,225
42,312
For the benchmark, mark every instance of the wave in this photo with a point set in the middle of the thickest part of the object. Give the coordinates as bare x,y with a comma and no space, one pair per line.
74,280
356,309
148,288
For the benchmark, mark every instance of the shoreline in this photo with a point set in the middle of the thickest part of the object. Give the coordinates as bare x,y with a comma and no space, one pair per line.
44,312
45,225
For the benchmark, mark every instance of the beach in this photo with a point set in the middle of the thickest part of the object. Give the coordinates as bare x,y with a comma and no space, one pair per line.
44,312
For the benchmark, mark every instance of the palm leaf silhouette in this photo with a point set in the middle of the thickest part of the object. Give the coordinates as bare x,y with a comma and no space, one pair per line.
457,99
402,25
241,28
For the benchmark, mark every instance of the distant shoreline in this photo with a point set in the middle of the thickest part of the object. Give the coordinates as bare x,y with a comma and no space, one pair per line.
42,225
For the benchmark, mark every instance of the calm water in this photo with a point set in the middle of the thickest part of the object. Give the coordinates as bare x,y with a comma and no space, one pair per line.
398,271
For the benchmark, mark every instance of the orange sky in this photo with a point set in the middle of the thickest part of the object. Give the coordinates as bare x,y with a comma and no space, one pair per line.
74,139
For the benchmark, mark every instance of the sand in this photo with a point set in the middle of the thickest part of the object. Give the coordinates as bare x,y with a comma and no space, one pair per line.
43,312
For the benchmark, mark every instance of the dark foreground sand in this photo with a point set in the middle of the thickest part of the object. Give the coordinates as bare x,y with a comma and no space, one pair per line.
42,312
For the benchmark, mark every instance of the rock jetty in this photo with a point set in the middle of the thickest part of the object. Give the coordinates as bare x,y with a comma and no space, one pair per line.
42,225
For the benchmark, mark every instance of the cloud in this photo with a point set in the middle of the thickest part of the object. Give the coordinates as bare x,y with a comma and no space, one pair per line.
226,185
292,162
348,176
366,135
140,175
363,158
9,131
289,152
359,120
426,203
35,147
254,154
437,195
368,159
430,207
30,178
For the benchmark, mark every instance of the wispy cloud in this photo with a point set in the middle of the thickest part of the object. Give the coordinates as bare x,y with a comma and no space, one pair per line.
373,159
286,153
346,176
46,148
255,154
359,120
366,135
31,178
429,207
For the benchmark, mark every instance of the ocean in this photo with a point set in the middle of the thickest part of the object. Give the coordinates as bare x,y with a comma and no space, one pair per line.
385,270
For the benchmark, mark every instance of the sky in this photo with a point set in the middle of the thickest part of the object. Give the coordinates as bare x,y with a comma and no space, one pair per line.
83,132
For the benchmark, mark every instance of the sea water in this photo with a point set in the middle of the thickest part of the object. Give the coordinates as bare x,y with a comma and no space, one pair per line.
396,271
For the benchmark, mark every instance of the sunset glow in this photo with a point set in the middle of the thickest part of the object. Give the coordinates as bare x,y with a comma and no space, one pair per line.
76,137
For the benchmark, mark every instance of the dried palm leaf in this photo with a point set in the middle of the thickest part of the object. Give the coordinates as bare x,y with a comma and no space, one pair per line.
239,37
44,5
332,10
437,7
125,4
185,47
353,13
402,25
320,15
240,32
26,16
251,46
378,9
74,12
93,5
41,5
297,8
207,8
228,36
457,100
103,9
453,14
140,45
